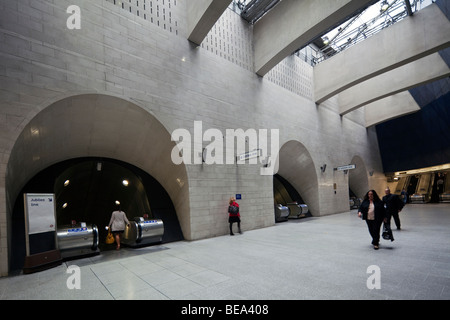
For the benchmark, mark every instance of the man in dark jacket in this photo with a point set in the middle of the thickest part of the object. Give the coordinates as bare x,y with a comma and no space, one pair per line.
393,206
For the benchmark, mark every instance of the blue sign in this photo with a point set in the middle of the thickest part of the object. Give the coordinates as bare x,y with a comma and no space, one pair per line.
238,196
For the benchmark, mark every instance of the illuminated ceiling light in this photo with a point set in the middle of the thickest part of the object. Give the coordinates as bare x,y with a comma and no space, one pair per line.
125,183
442,167
99,166
384,6
64,205
34,131
117,202
326,41
180,182
66,183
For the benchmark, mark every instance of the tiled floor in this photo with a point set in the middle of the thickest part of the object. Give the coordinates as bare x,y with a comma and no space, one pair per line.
314,258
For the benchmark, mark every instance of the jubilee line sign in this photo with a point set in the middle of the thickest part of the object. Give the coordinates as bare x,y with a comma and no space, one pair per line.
346,167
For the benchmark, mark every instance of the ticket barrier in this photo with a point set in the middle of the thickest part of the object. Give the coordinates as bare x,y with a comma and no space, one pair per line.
77,240
143,232
281,213
297,210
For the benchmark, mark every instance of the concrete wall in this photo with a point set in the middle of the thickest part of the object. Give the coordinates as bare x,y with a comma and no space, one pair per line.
155,73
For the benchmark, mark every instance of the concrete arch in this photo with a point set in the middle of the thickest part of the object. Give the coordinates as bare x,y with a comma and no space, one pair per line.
98,125
297,166
358,180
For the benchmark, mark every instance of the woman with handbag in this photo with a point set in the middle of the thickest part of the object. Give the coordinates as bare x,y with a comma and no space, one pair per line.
117,224
234,215
372,210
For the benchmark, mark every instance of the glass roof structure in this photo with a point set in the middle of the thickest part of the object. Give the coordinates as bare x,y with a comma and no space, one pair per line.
356,28
253,10
375,18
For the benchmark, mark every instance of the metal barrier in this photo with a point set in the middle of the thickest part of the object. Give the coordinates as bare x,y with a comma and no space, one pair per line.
355,203
417,198
444,197
77,240
143,232
281,212
297,210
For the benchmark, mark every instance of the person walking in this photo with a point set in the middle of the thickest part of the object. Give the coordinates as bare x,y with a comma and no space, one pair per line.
393,206
372,210
404,195
117,224
234,215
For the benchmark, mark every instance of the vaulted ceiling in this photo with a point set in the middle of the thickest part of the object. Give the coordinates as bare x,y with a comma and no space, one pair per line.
369,74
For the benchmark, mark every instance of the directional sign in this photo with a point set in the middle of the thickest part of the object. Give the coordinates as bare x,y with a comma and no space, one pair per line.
347,167
40,213
249,155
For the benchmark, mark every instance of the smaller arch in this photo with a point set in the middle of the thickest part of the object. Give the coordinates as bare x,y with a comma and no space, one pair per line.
297,166
358,180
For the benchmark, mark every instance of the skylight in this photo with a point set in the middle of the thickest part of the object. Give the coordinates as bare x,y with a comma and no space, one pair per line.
365,24
357,28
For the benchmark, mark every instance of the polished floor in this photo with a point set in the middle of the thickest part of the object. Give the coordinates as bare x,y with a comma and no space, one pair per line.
315,258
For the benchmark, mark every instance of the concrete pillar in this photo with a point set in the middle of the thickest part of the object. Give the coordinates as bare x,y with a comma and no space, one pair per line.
201,17
419,72
389,108
292,24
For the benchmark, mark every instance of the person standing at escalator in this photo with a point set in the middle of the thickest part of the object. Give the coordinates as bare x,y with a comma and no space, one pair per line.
117,224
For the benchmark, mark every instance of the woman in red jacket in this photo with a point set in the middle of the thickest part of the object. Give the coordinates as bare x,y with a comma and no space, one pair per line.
233,215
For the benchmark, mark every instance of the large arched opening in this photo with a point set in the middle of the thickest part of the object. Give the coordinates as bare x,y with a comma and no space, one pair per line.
96,127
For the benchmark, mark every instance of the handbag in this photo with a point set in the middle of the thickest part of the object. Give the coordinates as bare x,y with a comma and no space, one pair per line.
387,233
109,237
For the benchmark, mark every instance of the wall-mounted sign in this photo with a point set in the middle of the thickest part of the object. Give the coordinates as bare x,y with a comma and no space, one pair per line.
347,167
249,155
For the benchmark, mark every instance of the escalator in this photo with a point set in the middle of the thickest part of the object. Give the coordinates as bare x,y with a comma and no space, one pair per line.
426,187
412,185
442,187
287,201
354,201
413,190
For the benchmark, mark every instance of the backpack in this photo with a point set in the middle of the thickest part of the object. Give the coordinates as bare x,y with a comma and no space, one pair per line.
233,210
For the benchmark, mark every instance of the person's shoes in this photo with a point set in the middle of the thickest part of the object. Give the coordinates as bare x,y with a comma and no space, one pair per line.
398,228
376,247
231,234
